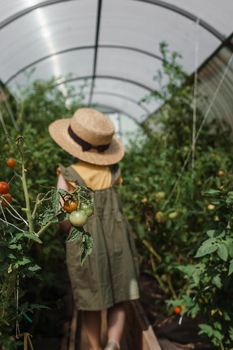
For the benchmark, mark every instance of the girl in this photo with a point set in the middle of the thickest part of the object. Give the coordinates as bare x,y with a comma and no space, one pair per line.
109,276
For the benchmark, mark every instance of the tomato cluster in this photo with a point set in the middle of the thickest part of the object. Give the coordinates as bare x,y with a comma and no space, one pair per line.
78,213
5,196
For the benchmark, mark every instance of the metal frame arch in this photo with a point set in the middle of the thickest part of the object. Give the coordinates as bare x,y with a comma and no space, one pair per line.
107,77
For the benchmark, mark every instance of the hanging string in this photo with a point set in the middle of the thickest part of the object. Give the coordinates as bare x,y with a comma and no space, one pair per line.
17,329
201,126
214,96
195,91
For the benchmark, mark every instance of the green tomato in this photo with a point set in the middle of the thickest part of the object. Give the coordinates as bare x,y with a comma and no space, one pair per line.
173,215
88,208
78,218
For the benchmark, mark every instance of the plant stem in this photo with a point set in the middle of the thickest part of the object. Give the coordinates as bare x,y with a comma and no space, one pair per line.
8,223
152,250
27,201
169,282
221,346
43,228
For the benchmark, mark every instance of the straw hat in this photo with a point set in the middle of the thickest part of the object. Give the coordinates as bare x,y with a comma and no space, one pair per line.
89,136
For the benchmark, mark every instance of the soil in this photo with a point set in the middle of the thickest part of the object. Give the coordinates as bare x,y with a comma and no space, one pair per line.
172,331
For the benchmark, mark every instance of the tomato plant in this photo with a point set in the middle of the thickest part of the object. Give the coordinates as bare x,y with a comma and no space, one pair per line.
163,199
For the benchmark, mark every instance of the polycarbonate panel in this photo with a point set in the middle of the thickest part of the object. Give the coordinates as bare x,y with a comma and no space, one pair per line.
124,106
46,31
125,127
115,118
144,25
11,7
118,62
81,91
129,129
127,90
65,25
79,62
216,13
217,75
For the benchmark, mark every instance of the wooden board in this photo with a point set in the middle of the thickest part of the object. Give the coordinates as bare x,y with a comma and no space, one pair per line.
138,333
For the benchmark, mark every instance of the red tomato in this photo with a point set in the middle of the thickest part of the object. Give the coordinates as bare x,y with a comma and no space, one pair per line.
70,206
6,199
177,310
4,187
11,163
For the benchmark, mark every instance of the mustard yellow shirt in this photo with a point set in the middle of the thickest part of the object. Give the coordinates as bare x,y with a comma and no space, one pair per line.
95,176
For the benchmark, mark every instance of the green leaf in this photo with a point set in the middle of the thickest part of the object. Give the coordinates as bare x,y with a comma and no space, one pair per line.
75,233
196,278
230,333
226,316
207,247
230,271
32,237
86,246
22,262
230,249
186,269
34,268
211,233
222,252
217,281
212,193
206,329
229,199
15,246
21,235
12,256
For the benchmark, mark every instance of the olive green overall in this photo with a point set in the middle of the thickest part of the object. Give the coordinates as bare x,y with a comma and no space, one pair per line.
109,275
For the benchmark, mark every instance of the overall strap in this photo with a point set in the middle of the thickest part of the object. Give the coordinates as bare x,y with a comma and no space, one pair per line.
71,175
115,170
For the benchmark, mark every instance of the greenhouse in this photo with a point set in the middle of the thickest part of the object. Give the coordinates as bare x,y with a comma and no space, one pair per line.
116,188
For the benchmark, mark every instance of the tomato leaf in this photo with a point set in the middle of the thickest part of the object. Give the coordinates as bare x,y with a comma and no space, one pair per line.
86,246
34,268
217,281
230,271
207,247
211,233
75,233
222,252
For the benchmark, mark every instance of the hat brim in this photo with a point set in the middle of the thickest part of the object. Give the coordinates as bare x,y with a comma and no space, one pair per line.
59,132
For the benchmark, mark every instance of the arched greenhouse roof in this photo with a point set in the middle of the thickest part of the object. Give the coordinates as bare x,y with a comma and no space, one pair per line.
113,45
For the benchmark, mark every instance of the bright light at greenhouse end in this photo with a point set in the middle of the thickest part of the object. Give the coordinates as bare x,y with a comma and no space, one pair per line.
47,35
